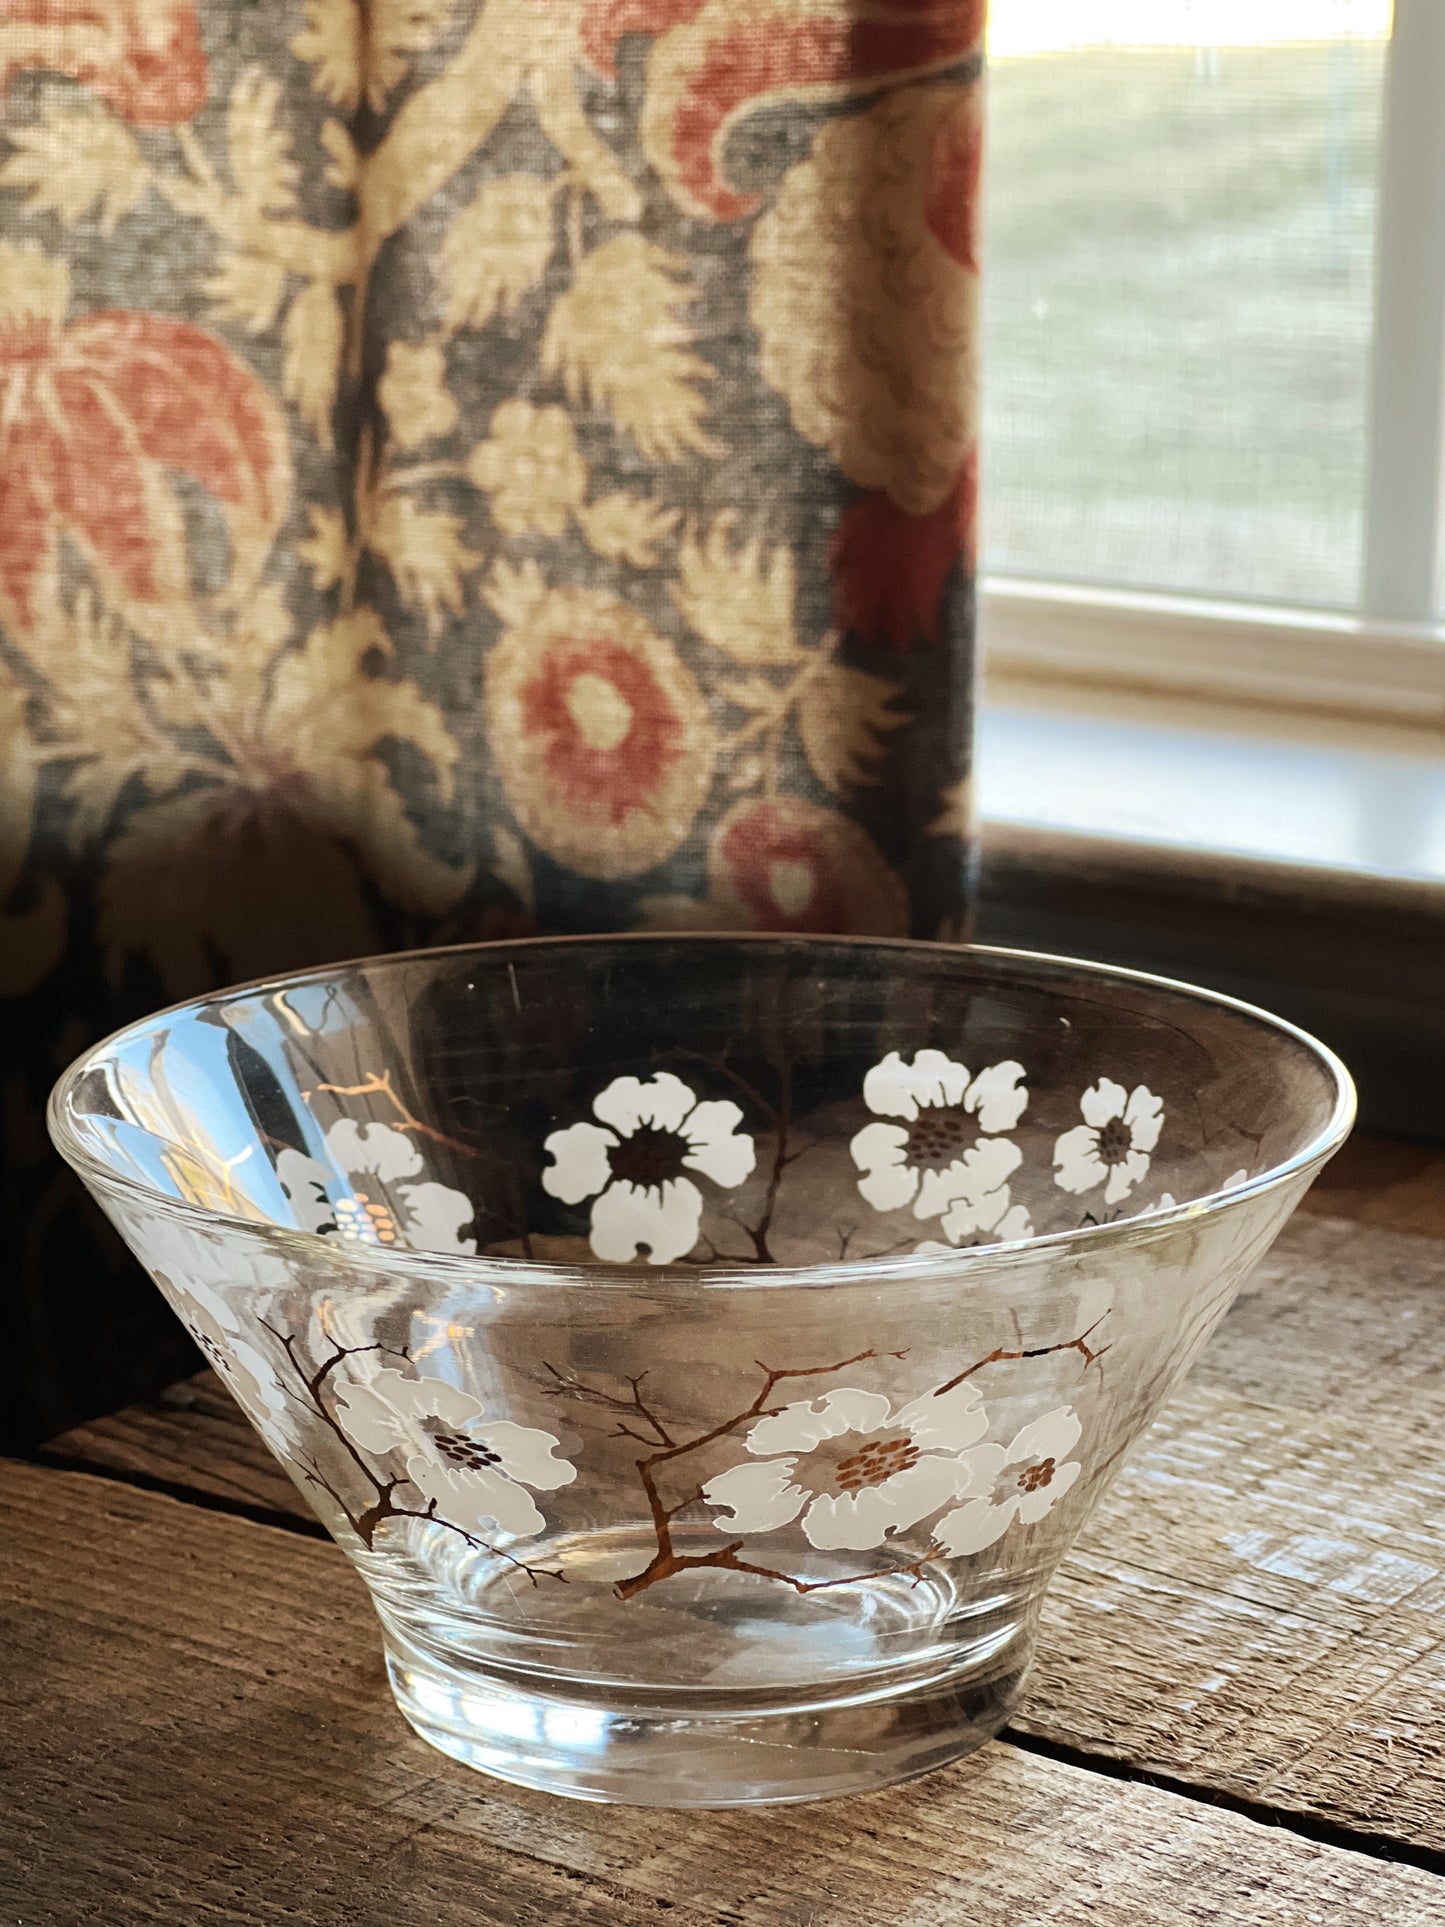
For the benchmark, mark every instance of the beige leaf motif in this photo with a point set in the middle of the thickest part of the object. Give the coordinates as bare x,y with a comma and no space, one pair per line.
510,865
262,866
844,719
756,695
866,324
105,718
248,289
619,343
399,29
345,45
331,44
514,592
70,161
745,773
496,250
739,600
326,550
413,393
263,172
627,528
425,552
311,344
955,817
343,163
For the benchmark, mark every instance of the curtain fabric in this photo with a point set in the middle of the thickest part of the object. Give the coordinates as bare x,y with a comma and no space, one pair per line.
464,470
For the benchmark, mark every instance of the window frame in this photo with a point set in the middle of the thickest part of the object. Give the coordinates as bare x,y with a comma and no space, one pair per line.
1384,661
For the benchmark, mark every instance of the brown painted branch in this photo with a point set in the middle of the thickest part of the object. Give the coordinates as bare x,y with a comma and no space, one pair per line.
758,1408
718,1062
367,1523
594,1395
1001,1356
914,1571
782,1125
379,1084
667,1562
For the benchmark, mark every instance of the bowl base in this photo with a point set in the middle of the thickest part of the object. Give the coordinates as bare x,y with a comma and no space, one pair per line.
704,1756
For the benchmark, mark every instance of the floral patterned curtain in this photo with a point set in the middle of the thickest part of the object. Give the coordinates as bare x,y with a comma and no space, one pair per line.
464,469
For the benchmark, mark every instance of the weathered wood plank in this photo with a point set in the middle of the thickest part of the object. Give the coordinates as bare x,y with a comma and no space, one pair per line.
1255,1609
198,1732
1384,1181
195,1436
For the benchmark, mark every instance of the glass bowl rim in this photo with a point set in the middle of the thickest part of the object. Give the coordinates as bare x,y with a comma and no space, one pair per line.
914,1267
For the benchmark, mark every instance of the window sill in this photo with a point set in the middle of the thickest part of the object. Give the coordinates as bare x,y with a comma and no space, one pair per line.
1304,872
1308,663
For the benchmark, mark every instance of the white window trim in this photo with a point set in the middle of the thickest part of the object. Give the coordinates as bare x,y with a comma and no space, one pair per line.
1229,652
1385,663
1407,377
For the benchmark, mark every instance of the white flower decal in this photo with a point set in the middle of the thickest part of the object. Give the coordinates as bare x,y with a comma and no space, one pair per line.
990,1219
198,1272
634,1162
852,1467
944,1157
473,1473
376,1204
1168,1201
1111,1147
1027,1479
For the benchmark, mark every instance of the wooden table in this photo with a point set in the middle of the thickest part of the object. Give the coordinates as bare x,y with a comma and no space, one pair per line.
1238,1713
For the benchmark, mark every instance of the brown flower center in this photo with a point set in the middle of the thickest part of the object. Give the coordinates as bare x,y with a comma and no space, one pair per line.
649,1157
939,1136
469,1454
1034,1477
879,1461
1115,1141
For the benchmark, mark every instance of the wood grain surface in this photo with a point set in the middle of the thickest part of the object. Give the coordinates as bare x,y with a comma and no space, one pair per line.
1253,1618
198,1732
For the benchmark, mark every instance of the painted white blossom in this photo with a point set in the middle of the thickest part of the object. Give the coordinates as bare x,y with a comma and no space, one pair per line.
944,1152
475,1472
373,1192
1168,1202
855,1470
634,1165
1111,1147
1021,1481
993,1219
222,1292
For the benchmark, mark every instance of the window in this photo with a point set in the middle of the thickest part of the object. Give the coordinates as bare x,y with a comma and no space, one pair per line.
1215,308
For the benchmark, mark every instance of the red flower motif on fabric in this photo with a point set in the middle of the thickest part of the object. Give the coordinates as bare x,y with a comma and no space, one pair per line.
91,416
955,181
890,568
709,66
610,732
143,57
790,865
602,737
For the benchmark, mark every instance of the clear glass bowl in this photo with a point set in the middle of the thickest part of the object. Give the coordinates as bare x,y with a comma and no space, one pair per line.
705,1348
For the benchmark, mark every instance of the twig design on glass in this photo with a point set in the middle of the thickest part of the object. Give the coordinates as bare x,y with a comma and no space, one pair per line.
857,1472
450,1458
